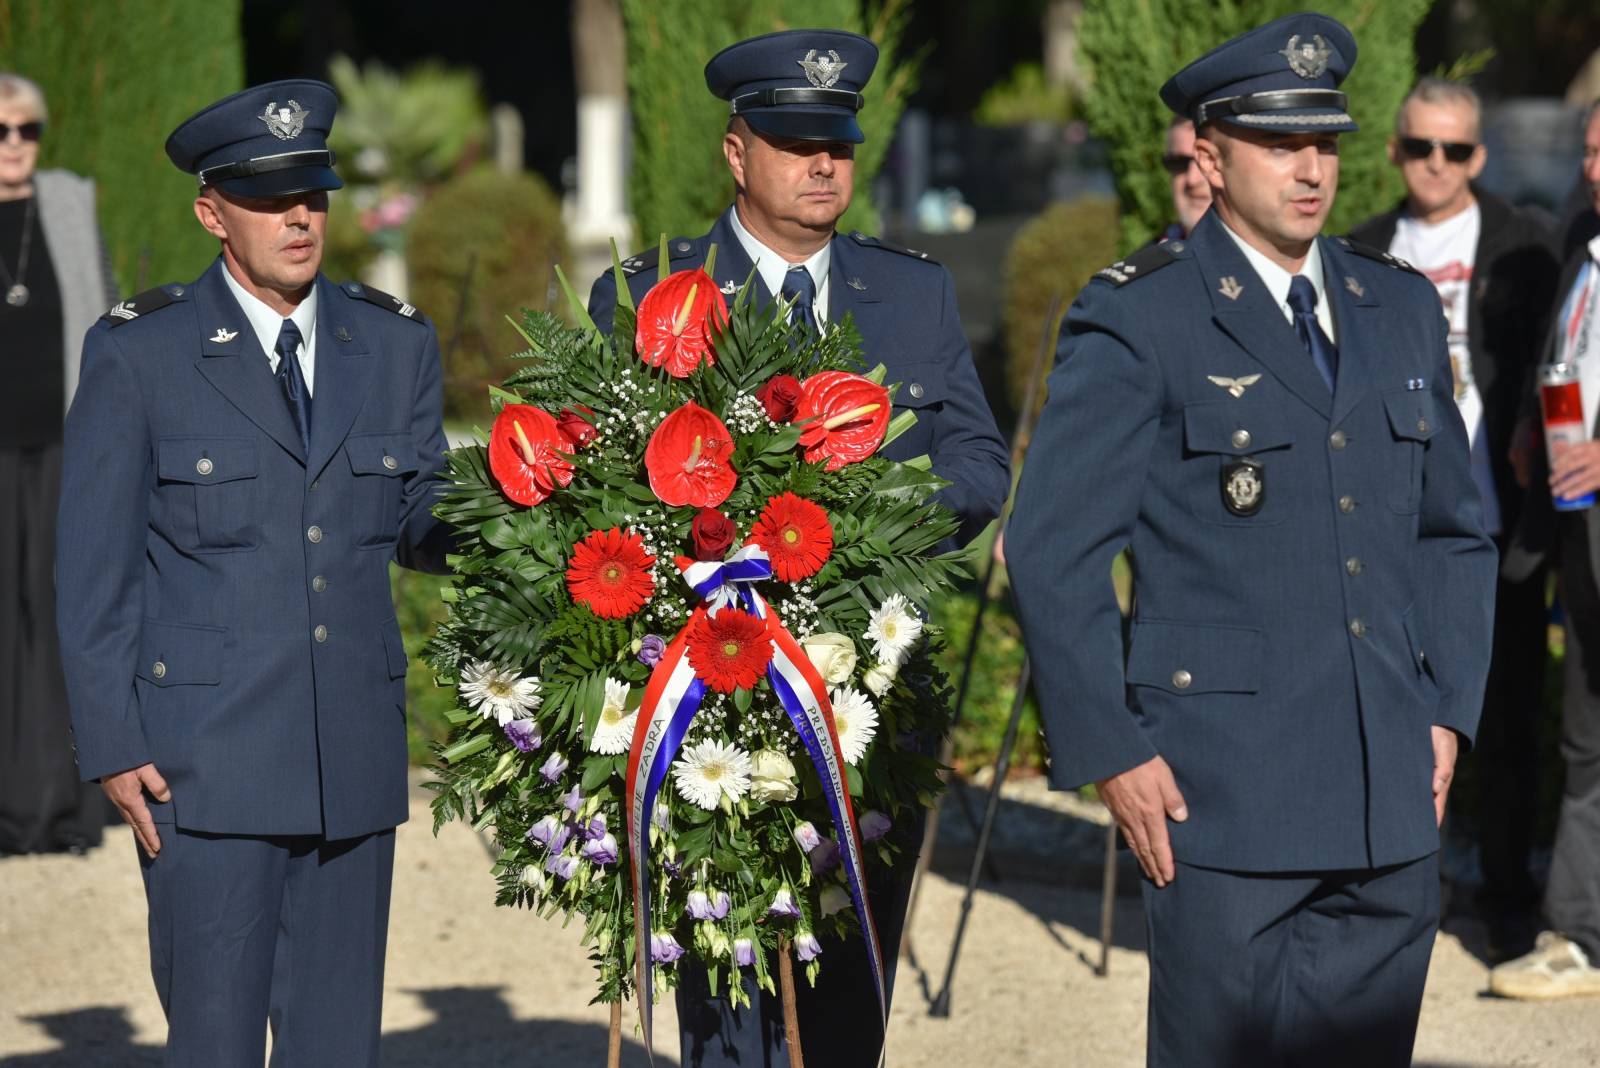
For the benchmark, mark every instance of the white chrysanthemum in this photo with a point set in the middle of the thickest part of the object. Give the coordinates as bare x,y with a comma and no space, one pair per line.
710,771
894,629
856,721
499,693
614,731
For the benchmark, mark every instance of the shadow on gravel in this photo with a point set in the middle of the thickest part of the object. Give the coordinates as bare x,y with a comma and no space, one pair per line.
474,1026
100,1037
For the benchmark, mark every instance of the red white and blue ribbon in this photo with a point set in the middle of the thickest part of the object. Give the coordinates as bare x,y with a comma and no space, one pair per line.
673,697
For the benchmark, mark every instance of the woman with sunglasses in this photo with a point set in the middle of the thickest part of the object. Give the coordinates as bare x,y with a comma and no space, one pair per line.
54,282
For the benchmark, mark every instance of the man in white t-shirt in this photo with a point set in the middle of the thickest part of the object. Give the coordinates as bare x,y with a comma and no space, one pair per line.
1495,275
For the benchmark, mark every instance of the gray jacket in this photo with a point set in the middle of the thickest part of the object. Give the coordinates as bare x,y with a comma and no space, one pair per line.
83,271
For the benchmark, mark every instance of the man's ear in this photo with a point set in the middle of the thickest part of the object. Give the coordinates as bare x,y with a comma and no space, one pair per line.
1393,150
205,209
733,152
1480,156
1208,156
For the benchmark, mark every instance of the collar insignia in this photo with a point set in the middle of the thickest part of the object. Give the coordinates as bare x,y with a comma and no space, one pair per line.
1230,287
1353,286
223,336
729,288
856,284
341,333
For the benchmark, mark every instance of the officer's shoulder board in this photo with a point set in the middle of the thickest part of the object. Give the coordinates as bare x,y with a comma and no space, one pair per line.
151,300
1378,254
387,302
1144,261
868,241
678,248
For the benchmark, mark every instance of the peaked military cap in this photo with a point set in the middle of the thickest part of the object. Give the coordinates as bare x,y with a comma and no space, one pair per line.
1283,76
799,84
266,141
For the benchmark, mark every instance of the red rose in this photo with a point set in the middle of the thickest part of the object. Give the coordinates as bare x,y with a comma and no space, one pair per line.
713,534
779,395
578,428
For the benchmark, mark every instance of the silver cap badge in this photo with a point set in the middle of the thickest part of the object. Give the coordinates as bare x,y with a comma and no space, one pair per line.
1307,58
822,71
286,122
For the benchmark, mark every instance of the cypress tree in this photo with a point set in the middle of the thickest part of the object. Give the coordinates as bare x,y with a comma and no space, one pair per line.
680,183
1131,47
118,75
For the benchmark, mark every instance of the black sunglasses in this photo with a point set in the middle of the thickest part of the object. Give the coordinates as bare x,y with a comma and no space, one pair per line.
1422,148
28,131
1176,164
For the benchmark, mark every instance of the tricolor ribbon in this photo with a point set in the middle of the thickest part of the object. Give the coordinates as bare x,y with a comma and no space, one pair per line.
672,697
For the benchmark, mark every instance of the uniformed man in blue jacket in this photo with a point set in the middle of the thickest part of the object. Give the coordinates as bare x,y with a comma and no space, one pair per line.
1264,418
245,456
792,132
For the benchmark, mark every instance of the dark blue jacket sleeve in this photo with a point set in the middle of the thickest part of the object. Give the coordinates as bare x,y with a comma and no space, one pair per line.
968,450
425,540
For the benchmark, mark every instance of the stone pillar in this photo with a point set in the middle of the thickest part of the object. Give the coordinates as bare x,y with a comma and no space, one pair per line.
598,210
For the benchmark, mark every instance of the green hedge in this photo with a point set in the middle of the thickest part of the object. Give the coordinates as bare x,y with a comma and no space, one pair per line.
118,76
1130,47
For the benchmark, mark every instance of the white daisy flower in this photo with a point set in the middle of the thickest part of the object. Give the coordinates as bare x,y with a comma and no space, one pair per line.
856,721
613,733
894,629
710,771
499,693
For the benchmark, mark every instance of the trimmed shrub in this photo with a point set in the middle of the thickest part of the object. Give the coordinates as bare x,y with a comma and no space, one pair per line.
118,77
483,246
1054,254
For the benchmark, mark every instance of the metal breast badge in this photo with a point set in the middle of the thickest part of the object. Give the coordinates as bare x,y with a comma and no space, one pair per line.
1244,486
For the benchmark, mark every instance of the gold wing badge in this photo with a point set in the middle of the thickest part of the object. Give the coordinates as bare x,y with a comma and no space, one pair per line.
1235,386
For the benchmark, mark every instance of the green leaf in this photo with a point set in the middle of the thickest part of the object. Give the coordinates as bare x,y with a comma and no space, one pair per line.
624,294
579,312
466,747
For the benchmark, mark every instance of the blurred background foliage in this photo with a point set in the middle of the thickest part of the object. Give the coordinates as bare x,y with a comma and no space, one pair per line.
116,85
1131,47
679,182
1026,95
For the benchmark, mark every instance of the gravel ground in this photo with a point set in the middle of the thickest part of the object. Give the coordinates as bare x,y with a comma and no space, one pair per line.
469,984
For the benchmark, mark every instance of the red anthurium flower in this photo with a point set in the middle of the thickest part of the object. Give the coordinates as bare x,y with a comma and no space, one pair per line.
687,459
796,535
676,319
610,573
729,651
849,416
526,453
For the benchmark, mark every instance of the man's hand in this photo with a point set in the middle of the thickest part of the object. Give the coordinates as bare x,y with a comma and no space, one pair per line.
1445,747
126,790
1575,470
1141,800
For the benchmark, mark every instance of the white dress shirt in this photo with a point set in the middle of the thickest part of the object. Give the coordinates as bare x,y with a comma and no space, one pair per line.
267,323
772,267
1277,280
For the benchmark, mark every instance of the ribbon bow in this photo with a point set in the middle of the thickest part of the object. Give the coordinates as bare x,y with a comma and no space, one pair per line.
718,583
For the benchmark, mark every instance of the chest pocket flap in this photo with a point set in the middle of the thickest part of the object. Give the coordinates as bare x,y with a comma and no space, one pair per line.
381,454
922,385
205,461
1234,428
1412,415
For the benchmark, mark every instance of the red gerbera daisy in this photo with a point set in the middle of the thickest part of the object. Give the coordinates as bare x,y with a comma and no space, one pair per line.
796,534
730,650
610,572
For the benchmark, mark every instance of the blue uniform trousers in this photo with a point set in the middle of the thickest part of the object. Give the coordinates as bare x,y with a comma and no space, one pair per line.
288,930
839,1023
1294,970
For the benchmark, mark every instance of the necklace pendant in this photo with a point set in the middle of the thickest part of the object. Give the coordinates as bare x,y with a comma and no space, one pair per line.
17,295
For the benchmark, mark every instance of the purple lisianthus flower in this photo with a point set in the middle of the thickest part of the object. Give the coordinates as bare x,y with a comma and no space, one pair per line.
562,865
807,837
699,904
720,904
572,800
783,904
664,949
601,851
596,827
550,832
744,952
662,817
874,825
825,857
524,734
806,946
672,868
651,646
553,767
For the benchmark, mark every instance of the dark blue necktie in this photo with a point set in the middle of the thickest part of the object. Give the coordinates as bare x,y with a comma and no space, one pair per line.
1303,302
293,380
799,287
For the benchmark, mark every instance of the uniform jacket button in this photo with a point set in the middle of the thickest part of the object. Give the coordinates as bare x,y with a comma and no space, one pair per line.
204,466
390,462
1241,439
1422,426
1182,679
1353,565
159,669
320,633
1358,628
916,390
1347,504
314,534
319,584
1337,439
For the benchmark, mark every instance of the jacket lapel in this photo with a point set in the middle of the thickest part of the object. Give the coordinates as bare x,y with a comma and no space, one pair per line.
1251,317
232,361
850,290
344,374
1356,311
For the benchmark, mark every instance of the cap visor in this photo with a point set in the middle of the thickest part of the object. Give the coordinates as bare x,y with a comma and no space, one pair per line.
801,125
1295,120
282,183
